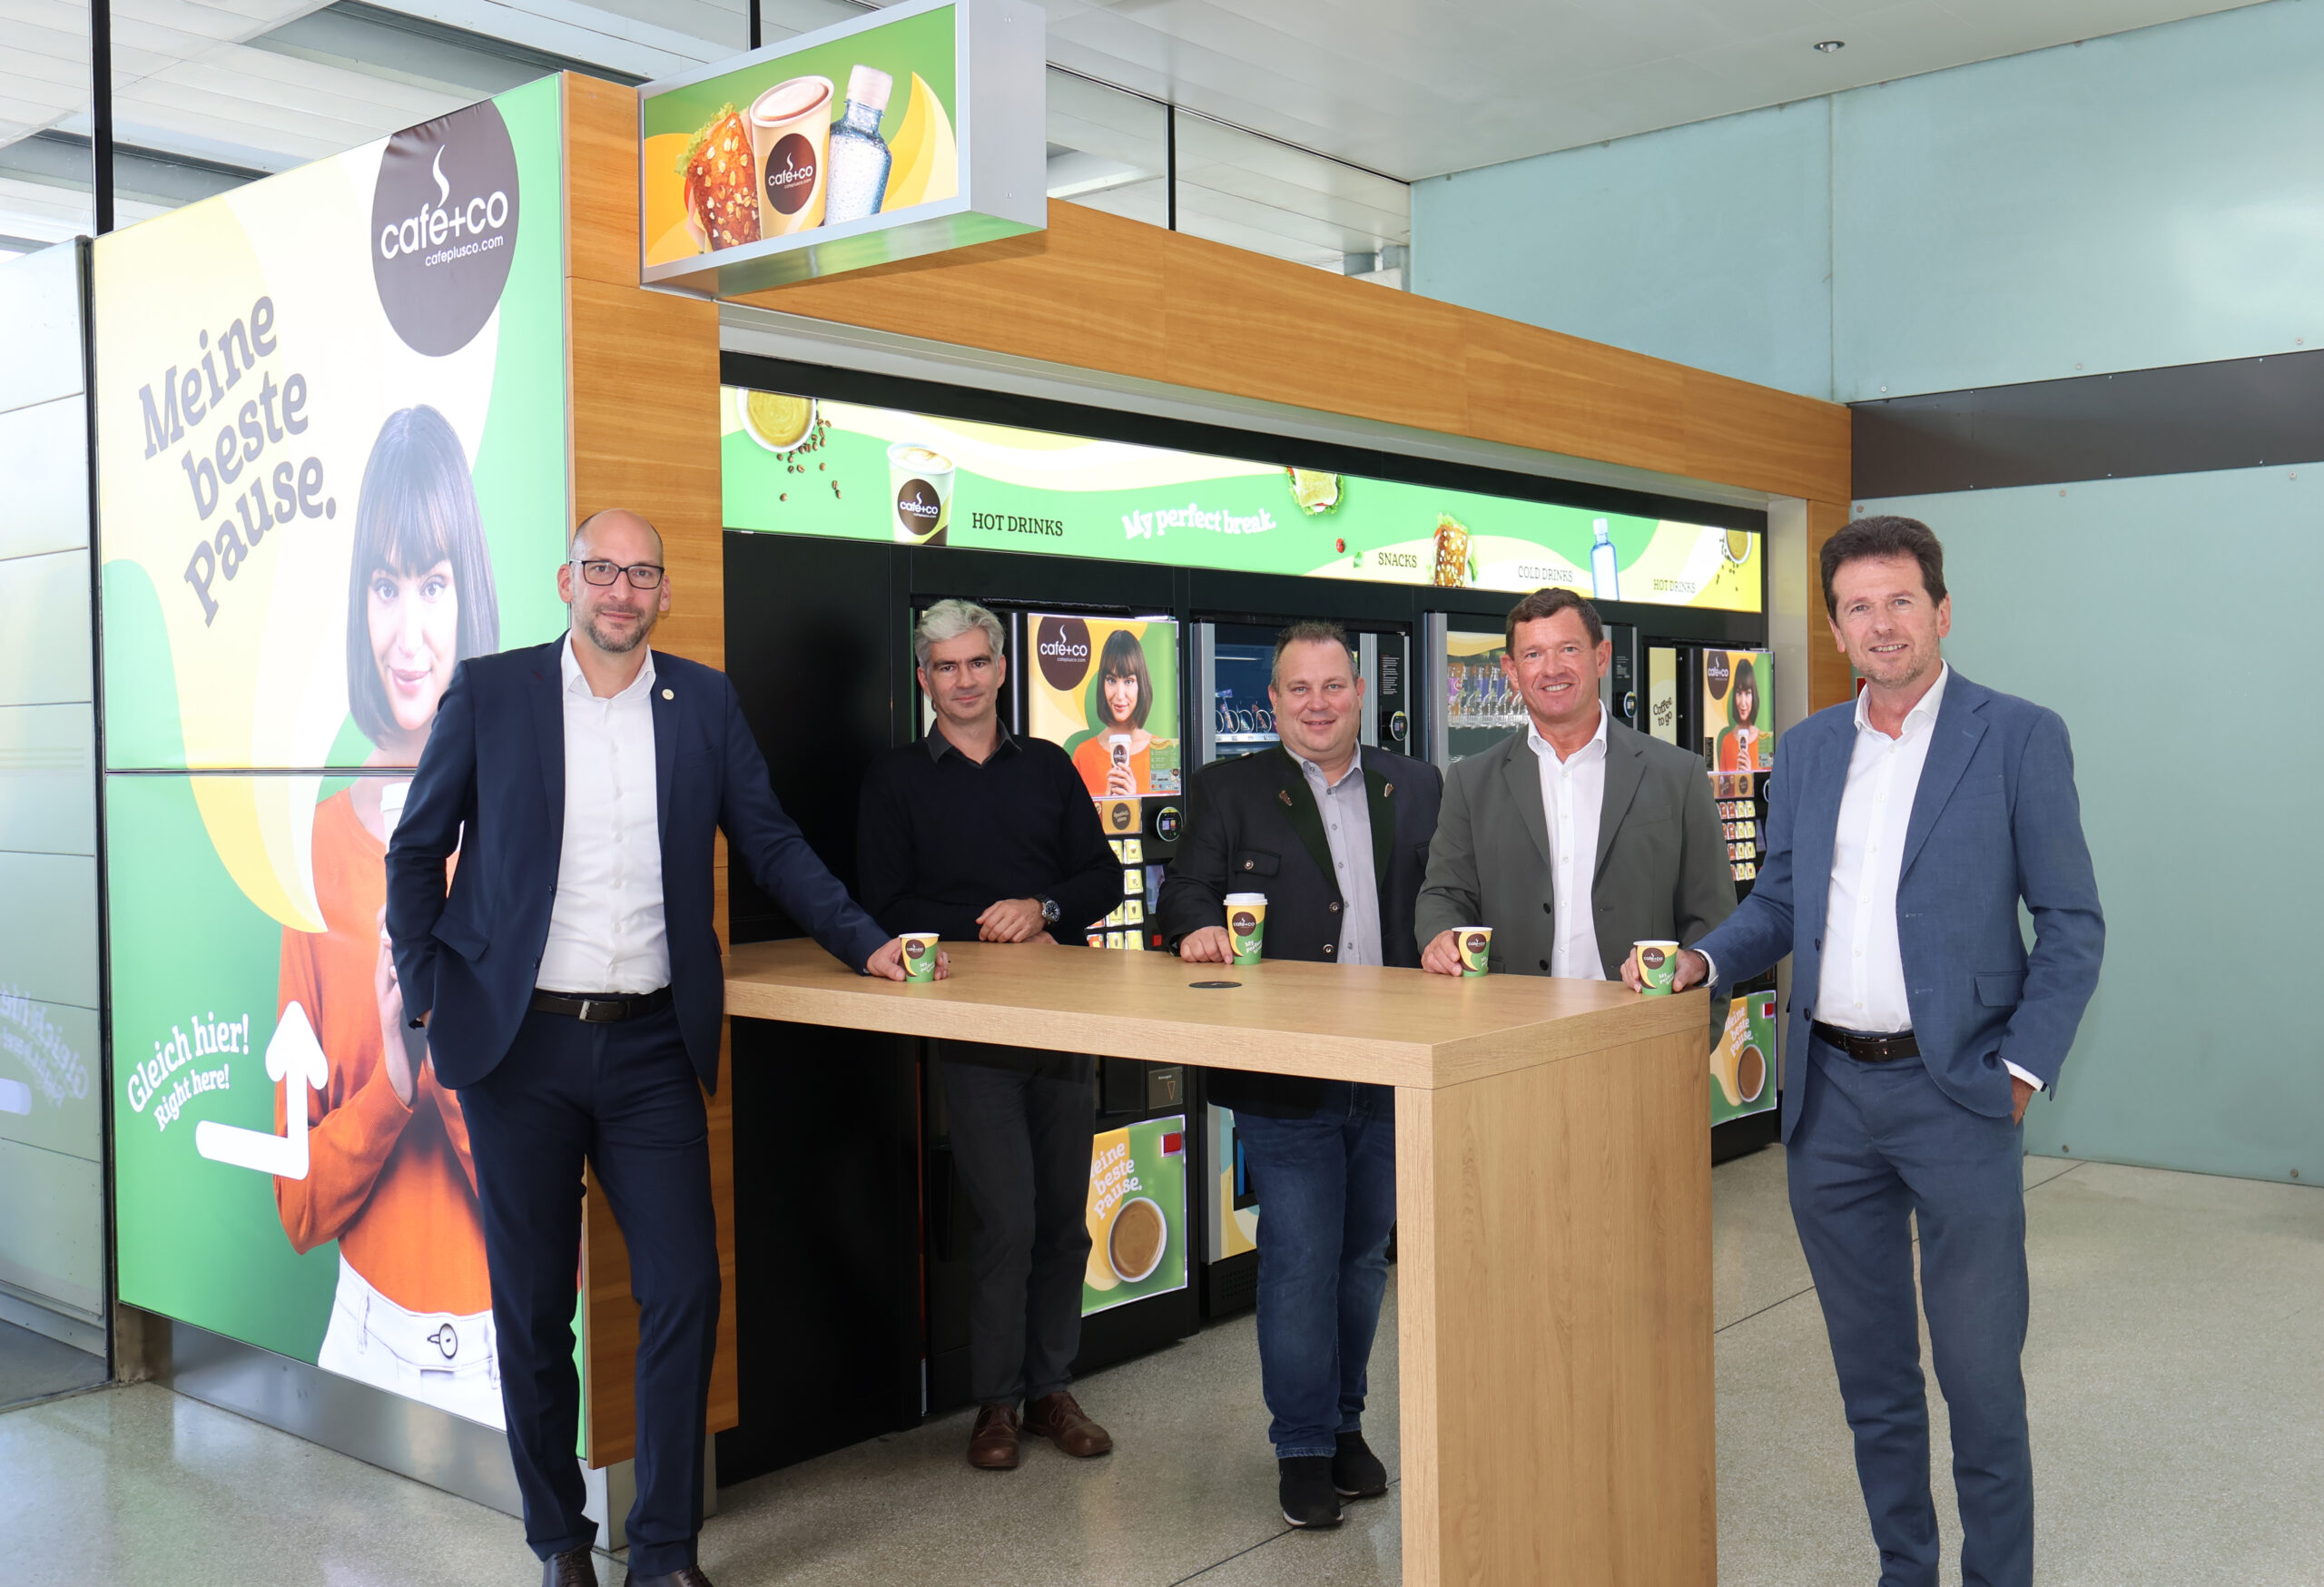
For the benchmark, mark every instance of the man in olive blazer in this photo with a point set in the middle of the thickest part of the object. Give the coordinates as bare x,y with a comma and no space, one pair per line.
1656,862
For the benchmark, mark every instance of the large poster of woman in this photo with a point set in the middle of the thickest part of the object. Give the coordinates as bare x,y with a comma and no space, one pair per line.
332,468
1738,710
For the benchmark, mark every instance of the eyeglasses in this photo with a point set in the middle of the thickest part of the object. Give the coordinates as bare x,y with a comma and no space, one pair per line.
641,574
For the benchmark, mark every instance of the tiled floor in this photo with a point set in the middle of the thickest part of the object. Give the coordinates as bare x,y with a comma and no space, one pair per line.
2176,1369
33,1366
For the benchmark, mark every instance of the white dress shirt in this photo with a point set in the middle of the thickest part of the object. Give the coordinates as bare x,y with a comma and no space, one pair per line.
1861,984
1574,796
606,931
1346,809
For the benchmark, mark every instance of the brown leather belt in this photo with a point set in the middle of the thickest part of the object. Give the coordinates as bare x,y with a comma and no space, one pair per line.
602,1008
1867,1049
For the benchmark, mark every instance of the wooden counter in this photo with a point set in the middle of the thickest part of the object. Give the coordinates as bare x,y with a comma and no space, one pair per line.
1553,1214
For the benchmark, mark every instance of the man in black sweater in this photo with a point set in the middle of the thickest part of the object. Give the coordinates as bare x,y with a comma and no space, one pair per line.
977,835
1336,836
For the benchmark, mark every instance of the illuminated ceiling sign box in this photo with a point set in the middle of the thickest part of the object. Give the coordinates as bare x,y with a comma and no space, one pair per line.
918,128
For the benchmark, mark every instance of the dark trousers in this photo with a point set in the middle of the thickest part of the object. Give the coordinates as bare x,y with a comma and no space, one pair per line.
1022,1123
1327,1200
624,1097
1877,1144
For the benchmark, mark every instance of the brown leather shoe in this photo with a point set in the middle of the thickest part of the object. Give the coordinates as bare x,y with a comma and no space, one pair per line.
993,1446
1058,1419
573,1568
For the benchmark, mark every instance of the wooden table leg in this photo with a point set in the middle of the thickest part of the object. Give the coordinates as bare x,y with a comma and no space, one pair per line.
1554,1323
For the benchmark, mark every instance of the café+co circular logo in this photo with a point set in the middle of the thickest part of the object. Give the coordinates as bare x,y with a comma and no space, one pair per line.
1715,673
1245,923
1650,959
918,506
1475,943
790,172
1120,815
444,227
915,949
1062,645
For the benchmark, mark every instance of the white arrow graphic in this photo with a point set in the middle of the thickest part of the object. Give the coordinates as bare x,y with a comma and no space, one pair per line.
296,1058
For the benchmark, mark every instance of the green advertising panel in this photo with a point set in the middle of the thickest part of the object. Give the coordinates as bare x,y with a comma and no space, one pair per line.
1743,1063
332,464
803,466
1138,1218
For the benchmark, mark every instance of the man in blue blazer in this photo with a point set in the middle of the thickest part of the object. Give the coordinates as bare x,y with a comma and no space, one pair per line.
569,986
1902,832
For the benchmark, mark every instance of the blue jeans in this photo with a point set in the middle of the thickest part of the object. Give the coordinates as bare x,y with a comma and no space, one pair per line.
1327,1201
1877,1144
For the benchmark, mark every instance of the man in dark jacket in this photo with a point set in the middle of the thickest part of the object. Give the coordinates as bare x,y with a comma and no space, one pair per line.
1336,836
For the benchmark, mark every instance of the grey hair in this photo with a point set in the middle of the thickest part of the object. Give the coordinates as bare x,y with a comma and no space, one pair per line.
950,620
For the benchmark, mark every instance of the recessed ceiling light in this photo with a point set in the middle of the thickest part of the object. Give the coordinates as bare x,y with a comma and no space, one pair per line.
1833,45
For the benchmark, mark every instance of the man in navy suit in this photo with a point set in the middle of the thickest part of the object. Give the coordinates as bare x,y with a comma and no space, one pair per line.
571,987
1902,832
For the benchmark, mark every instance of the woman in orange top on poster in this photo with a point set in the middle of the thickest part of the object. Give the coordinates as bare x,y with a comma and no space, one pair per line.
1738,747
1117,761
389,1177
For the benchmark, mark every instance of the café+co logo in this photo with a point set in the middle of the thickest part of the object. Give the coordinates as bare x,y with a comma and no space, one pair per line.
918,506
1062,645
444,227
1476,944
1715,674
791,175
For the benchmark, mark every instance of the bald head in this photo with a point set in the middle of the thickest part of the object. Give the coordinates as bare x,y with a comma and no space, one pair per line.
613,520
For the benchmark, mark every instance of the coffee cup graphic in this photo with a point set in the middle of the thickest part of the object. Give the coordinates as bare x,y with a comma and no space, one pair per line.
1247,924
1750,1073
920,955
920,481
1475,943
1137,1238
1658,964
791,128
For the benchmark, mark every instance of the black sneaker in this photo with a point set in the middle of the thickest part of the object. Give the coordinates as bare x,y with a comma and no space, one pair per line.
1308,1500
1356,1472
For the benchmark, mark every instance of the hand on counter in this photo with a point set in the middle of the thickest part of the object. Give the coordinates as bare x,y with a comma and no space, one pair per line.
1693,970
1010,920
1443,954
1210,945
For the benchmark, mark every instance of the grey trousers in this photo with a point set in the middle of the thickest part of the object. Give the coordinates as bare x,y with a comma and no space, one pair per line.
1021,1122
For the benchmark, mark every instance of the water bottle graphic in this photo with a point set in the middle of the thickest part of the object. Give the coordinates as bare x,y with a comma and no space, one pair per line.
859,159
1605,576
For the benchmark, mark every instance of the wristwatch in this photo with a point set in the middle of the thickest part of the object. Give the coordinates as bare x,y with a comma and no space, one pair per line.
1050,912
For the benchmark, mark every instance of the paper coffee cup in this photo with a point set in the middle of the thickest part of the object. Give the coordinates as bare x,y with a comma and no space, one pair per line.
920,955
919,487
791,131
1475,943
1247,924
1658,963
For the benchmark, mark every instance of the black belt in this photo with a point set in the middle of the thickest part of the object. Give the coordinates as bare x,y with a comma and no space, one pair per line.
603,1007
1867,1049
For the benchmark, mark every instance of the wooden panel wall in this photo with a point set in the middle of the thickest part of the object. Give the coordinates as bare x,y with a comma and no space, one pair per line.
1830,679
1099,293
643,369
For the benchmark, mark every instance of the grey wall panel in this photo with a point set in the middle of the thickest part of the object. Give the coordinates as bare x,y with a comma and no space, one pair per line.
48,929
40,304
45,634
48,779
57,1255
50,1092
45,459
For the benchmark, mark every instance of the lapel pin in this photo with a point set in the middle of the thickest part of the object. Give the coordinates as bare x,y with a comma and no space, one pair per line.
1284,794
669,693
1387,791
